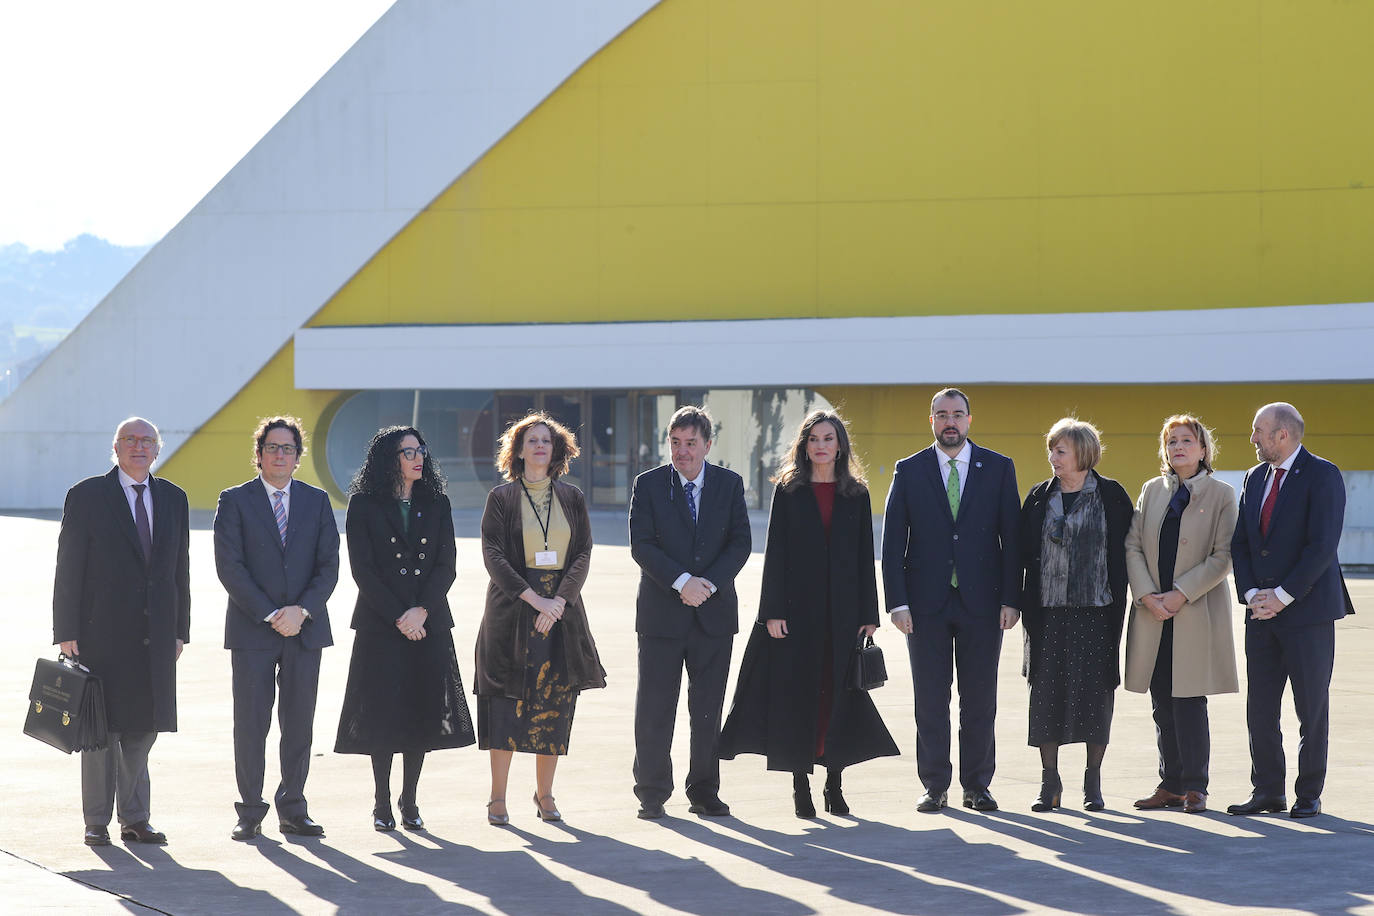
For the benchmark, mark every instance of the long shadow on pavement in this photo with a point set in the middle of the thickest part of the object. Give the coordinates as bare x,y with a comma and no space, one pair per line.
148,876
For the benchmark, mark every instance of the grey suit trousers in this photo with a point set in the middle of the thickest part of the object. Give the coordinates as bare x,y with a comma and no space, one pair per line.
118,774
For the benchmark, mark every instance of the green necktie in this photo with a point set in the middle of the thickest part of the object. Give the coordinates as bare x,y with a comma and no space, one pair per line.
952,491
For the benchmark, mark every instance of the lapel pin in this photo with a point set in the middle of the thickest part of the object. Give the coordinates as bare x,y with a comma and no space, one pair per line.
978,464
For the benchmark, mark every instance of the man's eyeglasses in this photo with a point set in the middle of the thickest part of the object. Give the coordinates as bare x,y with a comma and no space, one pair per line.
273,448
137,441
409,453
945,417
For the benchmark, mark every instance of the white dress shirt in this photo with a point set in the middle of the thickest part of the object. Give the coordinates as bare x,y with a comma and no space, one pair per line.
1287,466
131,494
286,509
961,460
696,497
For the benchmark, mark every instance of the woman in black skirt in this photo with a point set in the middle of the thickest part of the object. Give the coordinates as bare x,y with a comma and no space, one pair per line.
820,595
1073,547
535,652
404,693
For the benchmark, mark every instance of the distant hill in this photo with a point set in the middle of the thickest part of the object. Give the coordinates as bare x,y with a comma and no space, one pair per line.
44,294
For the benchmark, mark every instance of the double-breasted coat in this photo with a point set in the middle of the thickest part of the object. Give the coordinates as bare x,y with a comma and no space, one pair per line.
1204,654
396,569
125,611
822,587
503,637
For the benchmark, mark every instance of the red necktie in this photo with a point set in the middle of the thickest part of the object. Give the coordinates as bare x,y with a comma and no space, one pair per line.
1267,510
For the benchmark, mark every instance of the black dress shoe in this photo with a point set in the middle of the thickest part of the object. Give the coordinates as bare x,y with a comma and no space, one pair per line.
96,835
246,829
1259,805
301,825
1306,807
979,800
650,811
932,802
410,818
801,796
142,832
709,805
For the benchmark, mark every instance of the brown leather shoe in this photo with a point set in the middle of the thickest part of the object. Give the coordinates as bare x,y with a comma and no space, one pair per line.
1162,798
1195,802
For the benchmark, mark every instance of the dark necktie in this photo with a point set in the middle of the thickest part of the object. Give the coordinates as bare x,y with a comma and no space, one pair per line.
1267,510
145,530
691,499
279,512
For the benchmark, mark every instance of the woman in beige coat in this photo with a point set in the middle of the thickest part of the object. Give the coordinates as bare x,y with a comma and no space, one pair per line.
1179,645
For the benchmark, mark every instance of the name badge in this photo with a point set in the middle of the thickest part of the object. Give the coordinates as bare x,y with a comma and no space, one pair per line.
546,558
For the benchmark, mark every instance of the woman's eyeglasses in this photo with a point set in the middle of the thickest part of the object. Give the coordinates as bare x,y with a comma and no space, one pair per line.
409,453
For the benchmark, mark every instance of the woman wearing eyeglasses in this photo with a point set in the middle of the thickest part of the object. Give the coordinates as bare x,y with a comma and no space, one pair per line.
404,692
535,651
1178,644
1073,550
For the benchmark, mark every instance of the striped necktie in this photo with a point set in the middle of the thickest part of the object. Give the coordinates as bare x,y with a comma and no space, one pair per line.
279,510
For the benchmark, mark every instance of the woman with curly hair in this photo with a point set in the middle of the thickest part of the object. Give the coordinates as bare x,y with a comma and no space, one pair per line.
404,692
820,594
535,652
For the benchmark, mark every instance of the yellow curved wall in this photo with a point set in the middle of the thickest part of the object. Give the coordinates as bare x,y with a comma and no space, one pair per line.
772,158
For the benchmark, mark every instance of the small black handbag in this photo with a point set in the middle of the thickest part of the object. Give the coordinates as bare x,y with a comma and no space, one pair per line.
66,706
866,666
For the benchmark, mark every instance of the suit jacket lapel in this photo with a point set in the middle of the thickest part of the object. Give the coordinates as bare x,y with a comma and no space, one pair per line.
299,498
1254,501
262,506
1289,480
119,506
679,496
162,516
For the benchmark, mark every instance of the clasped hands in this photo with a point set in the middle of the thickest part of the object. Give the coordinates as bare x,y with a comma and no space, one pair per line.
1264,604
1164,605
695,591
412,624
289,620
548,611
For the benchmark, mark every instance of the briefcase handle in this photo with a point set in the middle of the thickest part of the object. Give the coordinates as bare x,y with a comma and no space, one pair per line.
72,662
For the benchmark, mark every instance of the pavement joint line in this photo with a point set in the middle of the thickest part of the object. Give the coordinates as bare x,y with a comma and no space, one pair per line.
94,887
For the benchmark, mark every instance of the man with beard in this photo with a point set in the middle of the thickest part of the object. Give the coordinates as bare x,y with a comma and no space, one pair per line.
950,568
1292,510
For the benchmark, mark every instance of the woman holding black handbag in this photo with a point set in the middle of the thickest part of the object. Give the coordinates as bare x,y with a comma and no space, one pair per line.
820,593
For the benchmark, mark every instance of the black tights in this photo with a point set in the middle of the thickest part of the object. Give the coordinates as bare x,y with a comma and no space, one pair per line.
1049,756
411,762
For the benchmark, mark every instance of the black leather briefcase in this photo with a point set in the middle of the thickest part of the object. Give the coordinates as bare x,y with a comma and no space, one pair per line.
66,707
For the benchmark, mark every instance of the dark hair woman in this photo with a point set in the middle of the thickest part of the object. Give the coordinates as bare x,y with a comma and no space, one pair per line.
535,651
1073,551
819,595
404,692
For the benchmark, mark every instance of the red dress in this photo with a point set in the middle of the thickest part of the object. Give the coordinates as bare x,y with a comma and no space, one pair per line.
825,501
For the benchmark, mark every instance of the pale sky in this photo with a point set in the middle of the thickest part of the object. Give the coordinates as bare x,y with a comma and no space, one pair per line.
118,117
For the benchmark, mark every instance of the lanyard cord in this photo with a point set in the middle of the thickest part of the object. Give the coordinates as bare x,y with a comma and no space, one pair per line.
543,523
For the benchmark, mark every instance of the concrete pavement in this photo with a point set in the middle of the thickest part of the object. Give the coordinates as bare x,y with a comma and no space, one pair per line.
886,858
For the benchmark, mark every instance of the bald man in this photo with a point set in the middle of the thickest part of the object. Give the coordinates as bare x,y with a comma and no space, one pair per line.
1292,510
122,605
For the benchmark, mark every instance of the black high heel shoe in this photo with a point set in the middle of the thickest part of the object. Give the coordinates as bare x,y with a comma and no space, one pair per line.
1092,789
382,818
833,795
410,817
1051,791
801,795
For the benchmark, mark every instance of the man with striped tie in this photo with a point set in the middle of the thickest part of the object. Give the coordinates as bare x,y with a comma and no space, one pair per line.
277,554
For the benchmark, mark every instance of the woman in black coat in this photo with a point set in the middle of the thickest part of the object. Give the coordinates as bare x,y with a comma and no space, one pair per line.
819,595
404,693
1073,551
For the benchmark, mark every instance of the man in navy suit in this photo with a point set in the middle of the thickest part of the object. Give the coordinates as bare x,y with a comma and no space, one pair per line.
950,567
277,554
689,533
1292,510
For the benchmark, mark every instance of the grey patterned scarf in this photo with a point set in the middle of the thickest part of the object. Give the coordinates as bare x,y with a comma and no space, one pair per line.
1073,550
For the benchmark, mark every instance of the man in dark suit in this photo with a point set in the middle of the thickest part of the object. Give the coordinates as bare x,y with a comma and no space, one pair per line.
1292,510
689,533
122,603
277,554
951,567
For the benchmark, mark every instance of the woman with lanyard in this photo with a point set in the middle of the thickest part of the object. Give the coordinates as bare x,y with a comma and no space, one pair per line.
535,652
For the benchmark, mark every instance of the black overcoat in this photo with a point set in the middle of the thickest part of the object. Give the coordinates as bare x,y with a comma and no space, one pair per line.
818,586
1118,508
125,614
397,569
